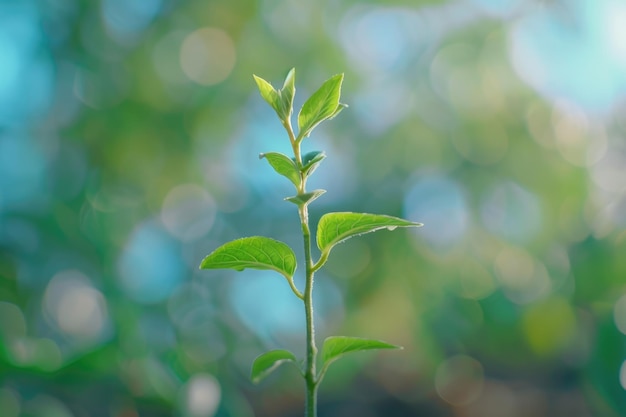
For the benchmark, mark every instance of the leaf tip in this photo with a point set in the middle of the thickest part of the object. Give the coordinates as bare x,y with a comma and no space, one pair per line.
203,263
257,79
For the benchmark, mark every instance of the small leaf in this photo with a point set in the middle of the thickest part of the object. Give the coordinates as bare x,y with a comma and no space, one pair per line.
287,94
284,165
305,198
334,228
255,252
268,93
267,362
312,157
280,100
336,346
320,106
311,161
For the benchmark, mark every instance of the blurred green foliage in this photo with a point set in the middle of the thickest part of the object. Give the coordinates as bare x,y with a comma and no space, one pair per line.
129,137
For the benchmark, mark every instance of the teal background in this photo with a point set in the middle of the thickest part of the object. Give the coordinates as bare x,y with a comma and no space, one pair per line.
129,140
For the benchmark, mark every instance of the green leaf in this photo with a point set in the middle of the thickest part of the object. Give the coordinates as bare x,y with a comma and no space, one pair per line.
334,228
320,106
267,362
305,198
336,346
287,94
268,93
312,157
280,100
255,252
284,165
311,161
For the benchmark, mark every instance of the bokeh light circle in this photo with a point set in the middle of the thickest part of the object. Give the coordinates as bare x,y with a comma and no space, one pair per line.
459,380
619,314
622,375
202,396
207,56
150,266
75,306
188,212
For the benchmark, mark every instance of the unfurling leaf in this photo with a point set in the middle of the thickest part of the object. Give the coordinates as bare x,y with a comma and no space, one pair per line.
311,161
255,252
280,100
287,94
267,362
320,106
284,165
334,228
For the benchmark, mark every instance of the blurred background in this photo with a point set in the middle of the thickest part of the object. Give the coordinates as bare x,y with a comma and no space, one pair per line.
129,140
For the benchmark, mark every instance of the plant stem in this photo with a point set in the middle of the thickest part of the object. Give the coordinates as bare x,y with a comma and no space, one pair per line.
294,142
311,349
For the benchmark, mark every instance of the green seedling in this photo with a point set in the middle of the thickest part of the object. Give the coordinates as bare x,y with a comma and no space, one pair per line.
260,252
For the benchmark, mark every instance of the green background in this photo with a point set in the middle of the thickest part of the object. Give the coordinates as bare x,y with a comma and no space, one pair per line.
129,140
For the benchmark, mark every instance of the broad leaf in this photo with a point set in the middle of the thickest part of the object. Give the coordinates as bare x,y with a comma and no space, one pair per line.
255,252
305,198
320,106
334,228
336,346
267,362
311,161
284,165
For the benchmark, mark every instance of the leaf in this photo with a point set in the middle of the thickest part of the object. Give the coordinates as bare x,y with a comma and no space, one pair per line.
336,346
287,94
284,165
320,106
268,93
255,252
334,228
267,362
312,157
311,161
305,198
280,100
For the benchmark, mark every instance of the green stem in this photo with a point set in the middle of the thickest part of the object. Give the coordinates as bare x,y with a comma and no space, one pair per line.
295,144
293,287
321,261
310,268
311,349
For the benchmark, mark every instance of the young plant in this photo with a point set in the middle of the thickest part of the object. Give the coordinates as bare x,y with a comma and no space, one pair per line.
264,253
